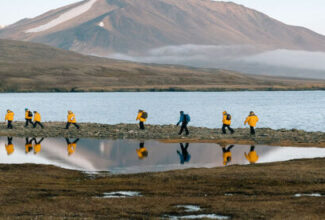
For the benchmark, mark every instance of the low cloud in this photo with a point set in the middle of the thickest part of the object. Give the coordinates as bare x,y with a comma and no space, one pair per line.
241,58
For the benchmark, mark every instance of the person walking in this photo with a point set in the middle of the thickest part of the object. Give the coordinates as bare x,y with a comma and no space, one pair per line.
10,118
37,120
226,122
28,117
142,118
28,145
142,152
72,146
227,154
184,119
184,155
71,120
252,120
10,148
252,156
37,145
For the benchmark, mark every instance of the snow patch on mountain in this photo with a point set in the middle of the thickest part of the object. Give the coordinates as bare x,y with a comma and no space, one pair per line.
101,24
64,17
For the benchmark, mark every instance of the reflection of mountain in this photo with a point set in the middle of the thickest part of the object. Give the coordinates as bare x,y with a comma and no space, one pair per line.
120,156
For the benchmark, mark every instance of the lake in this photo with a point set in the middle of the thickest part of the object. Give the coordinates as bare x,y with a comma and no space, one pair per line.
127,156
276,109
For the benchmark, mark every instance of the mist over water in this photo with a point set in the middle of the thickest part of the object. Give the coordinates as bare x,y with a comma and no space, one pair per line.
241,58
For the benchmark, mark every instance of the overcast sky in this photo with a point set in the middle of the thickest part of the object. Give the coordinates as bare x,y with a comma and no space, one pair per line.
307,13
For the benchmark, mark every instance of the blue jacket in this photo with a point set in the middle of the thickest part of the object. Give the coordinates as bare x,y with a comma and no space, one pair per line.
181,118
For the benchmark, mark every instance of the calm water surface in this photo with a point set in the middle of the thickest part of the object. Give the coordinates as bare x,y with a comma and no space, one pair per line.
301,110
131,156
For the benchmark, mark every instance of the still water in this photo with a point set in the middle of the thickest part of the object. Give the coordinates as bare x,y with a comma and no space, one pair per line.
293,109
132,156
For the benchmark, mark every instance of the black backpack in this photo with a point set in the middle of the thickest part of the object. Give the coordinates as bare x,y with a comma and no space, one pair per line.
144,115
228,117
30,114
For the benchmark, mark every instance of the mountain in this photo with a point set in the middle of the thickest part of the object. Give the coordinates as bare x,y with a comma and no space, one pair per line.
102,27
33,67
199,33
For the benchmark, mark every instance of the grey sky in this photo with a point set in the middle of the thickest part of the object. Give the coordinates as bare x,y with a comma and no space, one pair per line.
307,13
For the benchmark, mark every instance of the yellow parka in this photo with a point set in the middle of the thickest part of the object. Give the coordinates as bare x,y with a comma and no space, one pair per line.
10,148
225,156
252,157
27,115
224,120
139,117
251,120
37,117
71,148
142,152
37,148
28,147
72,118
10,116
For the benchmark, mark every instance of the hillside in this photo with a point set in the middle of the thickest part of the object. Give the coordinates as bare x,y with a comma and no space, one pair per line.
103,27
34,67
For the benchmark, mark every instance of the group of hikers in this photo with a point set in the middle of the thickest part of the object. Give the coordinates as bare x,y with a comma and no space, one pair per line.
35,119
184,119
32,144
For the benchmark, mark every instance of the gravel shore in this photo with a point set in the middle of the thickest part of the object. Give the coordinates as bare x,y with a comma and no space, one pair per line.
169,133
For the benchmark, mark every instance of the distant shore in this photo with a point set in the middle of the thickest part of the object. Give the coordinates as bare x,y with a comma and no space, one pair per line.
169,134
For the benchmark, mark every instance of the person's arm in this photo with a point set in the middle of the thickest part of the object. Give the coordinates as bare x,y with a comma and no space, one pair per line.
246,121
257,119
246,156
180,120
138,117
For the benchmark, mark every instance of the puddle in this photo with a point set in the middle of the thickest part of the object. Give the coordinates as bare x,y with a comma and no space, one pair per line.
132,156
201,216
308,195
189,208
120,194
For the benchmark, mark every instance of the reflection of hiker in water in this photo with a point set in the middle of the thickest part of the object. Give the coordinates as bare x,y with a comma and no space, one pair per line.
37,145
10,148
252,156
142,151
72,146
227,154
28,145
184,156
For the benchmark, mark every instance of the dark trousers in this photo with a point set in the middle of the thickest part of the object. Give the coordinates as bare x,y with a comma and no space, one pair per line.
184,127
227,126
141,124
10,125
252,130
28,121
38,123
69,123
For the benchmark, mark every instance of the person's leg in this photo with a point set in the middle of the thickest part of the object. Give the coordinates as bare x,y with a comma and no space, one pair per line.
186,130
224,129
40,124
76,141
224,150
182,128
229,148
76,125
67,140
35,124
26,123
68,125
10,125
230,129
141,125
252,130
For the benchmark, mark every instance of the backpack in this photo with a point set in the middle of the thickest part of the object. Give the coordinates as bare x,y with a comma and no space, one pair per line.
144,115
187,118
228,117
30,114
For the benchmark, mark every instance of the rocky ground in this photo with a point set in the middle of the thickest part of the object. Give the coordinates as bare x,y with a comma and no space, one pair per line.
169,133
286,190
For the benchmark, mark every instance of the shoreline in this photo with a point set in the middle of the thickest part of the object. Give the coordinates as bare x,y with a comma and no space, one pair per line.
169,134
